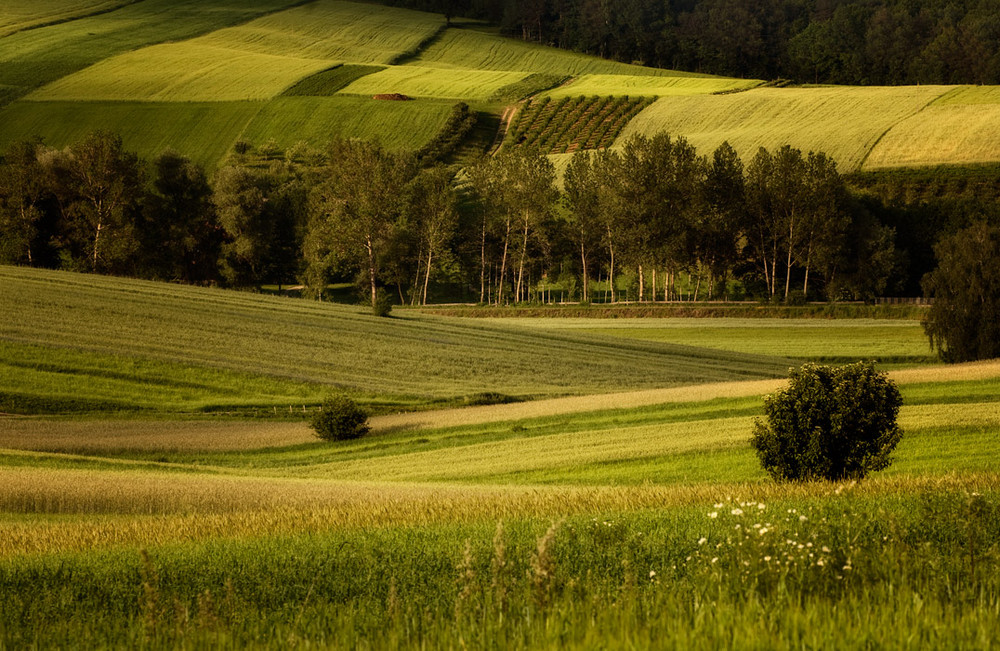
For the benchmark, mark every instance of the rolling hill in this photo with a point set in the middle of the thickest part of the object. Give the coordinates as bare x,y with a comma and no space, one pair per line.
199,76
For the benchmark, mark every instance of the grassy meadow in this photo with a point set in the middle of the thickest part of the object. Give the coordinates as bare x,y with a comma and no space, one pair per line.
628,520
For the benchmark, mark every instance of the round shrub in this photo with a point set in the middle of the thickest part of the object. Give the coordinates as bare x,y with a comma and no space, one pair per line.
339,419
830,423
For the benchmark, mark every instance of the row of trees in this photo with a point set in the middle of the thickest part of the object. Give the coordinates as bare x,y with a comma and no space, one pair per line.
655,215
830,41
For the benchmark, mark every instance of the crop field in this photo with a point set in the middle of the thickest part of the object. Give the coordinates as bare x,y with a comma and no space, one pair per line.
476,49
205,132
407,360
844,122
257,60
647,86
328,82
960,127
17,15
317,120
413,81
182,72
560,126
33,58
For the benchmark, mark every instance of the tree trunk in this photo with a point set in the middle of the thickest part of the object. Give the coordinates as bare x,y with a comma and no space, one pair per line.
583,259
788,264
611,268
524,253
482,266
371,269
427,277
503,264
642,284
654,284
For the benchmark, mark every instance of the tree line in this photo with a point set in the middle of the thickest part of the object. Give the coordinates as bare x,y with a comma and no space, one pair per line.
862,42
653,220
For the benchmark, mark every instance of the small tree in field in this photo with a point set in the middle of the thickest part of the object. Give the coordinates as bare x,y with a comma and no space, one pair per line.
339,419
830,423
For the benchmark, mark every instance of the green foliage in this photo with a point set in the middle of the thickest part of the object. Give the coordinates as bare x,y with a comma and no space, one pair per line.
964,320
340,419
460,124
328,82
830,423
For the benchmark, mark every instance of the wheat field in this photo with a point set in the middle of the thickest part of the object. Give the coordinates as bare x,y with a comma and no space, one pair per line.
844,122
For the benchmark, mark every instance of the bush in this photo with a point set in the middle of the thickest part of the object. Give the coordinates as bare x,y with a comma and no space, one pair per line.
339,419
830,423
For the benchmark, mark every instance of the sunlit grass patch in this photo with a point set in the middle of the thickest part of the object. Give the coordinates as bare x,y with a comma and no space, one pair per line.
845,122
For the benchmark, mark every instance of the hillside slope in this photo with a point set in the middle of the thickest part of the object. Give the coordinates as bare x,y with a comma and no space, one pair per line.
200,348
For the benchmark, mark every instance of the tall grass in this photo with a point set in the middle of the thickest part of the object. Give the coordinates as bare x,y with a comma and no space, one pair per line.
819,571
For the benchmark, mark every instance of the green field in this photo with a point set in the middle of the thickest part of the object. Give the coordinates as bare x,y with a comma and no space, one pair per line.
475,49
959,128
256,60
647,86
887,341
205,132
18,15
33,58
842,121
476,85
317,120
408,360
132,514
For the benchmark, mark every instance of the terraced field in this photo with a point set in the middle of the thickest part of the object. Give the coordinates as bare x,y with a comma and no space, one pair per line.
133,60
